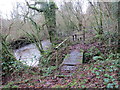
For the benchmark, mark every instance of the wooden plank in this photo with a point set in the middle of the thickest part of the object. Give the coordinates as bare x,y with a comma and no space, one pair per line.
71,60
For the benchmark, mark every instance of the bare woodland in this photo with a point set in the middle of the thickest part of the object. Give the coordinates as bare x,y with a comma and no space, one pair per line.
95,33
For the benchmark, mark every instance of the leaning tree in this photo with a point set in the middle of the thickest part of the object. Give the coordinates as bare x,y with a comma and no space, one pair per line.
48,9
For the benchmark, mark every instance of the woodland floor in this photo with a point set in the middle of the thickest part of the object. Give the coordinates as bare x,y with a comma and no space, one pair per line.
99,74
96,75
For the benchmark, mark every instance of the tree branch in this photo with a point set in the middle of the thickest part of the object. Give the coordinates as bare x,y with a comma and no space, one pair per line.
34,8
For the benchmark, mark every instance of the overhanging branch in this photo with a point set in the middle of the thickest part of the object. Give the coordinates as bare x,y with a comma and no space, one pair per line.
34,8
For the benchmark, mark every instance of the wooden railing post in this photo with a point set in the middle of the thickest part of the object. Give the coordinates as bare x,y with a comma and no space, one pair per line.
57,48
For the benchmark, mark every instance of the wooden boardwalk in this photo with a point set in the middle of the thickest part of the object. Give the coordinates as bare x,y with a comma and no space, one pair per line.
72,60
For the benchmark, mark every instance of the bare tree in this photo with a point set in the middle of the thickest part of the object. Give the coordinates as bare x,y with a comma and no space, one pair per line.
50,16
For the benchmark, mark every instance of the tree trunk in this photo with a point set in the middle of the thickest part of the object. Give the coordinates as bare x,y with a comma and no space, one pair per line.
50,18
118,27
100,32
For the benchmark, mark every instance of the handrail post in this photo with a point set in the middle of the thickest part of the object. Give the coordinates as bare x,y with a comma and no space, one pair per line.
56,58
56,48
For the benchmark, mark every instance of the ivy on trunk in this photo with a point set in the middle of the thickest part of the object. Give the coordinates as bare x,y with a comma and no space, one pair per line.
48,10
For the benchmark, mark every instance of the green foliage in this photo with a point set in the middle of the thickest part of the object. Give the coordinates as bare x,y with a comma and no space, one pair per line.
83,86
106,80
110,85
45,59
11,66
97,58
15,86
73,83
7,58
93,54
98,37
110,38
9,63
10,85
113,56
48,70
95,71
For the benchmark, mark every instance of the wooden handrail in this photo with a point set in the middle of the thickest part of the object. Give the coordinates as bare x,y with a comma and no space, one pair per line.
61,43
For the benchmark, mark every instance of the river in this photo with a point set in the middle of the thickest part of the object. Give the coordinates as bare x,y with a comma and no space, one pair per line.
29,54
